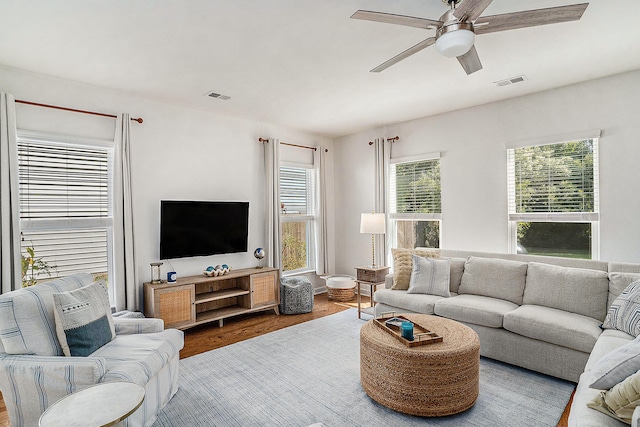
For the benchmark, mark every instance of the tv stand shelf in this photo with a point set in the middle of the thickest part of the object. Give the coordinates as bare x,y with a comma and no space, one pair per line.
195,300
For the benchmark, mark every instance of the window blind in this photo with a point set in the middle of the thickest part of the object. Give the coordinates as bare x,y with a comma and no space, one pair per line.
415,189
63,182
554,182
65,203
296,190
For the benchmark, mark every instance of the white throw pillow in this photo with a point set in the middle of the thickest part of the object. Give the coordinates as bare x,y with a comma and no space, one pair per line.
624,313
617,365
83,319
430,276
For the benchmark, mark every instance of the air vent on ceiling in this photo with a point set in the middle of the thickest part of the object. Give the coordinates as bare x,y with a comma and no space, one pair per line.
510,81
217,95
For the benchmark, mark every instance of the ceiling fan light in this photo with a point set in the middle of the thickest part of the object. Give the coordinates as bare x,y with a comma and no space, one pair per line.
455,43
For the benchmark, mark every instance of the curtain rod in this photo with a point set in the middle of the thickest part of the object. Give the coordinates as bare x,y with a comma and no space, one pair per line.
291,145
55,107
394,139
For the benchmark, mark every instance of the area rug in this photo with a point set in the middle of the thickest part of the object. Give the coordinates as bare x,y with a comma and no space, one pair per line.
309,373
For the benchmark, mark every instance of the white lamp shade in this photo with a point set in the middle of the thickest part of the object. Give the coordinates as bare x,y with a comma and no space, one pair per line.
372,223
455,43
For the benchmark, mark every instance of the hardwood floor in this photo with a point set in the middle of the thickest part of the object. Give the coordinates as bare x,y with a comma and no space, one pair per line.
208,337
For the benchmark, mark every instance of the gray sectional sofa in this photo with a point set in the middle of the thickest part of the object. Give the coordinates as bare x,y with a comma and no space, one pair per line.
540,313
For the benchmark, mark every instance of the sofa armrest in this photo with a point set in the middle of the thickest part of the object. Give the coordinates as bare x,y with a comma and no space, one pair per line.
137,326
388,281
635,417
30,384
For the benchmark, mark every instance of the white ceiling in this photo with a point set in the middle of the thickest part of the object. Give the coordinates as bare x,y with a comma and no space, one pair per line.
304,63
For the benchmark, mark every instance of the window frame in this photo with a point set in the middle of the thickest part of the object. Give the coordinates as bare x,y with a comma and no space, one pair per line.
593,218
394,216
309,218
106,223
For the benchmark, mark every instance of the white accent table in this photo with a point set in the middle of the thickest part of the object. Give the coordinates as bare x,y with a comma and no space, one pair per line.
100,405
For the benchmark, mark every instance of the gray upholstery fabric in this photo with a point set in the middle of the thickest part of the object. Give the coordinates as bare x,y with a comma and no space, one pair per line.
479,310
457,268
418,303
554,326
497,278
296,295
575,290
609,339
430,276
618,282
540,356
583,416
617,365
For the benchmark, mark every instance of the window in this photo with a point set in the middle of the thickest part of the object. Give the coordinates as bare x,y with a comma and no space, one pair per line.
415,206
553,199
66,202
297,217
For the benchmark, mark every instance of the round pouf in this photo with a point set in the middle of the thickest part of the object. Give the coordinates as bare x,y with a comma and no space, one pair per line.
429,380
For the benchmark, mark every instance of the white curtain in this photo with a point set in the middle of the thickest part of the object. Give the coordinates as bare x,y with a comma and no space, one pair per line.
10,261
322,253
126,280
272,192
382,159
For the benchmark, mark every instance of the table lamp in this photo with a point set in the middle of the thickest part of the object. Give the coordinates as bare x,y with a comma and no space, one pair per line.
372,223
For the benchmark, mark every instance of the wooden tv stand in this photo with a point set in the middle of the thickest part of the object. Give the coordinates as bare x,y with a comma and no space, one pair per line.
195,300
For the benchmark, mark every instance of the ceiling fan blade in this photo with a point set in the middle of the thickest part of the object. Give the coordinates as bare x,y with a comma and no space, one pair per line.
470,61
407,53
389,18
470,10
529,18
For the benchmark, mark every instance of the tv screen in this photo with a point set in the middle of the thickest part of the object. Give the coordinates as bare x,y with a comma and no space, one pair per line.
201,228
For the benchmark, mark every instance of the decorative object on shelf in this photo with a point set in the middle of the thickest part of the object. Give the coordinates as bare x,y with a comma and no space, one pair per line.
172,277
372,223
218,270
155,272
259,253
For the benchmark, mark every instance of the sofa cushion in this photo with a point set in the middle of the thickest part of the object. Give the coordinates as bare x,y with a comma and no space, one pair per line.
576,290
618,282
430,276
138,358
83,319
492,277
624,313
583,416
403,264
609,340
417,303
455,275
617,365
554,326
620,401
479,310
27,324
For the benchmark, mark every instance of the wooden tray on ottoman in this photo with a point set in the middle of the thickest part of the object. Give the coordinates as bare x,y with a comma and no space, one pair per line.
421,335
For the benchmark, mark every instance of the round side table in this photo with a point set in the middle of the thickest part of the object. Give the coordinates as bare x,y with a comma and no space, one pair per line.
100,405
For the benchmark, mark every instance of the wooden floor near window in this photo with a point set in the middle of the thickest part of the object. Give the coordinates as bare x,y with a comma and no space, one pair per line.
208,337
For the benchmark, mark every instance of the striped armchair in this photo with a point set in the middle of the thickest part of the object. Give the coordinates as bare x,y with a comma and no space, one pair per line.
34,373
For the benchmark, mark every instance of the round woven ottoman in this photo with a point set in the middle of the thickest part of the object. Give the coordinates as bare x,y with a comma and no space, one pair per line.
429,380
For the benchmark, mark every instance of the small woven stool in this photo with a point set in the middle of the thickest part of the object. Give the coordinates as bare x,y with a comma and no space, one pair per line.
296,295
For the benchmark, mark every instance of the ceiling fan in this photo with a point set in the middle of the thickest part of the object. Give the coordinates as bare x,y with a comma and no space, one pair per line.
457,28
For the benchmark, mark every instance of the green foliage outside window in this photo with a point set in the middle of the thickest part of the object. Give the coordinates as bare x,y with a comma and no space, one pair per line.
294,245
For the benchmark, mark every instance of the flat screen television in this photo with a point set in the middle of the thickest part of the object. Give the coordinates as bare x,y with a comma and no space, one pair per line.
201,228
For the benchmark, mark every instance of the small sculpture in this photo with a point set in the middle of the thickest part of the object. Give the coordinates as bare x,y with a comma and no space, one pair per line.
218,270
259,253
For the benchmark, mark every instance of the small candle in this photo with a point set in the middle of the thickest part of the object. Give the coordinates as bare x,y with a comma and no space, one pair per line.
406,330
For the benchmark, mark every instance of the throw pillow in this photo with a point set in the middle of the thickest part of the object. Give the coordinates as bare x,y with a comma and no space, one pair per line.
617,365
430,276
402,265
620,401
624,313
83,319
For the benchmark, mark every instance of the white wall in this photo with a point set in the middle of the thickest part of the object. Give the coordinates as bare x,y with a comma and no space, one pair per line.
473,165
177,153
